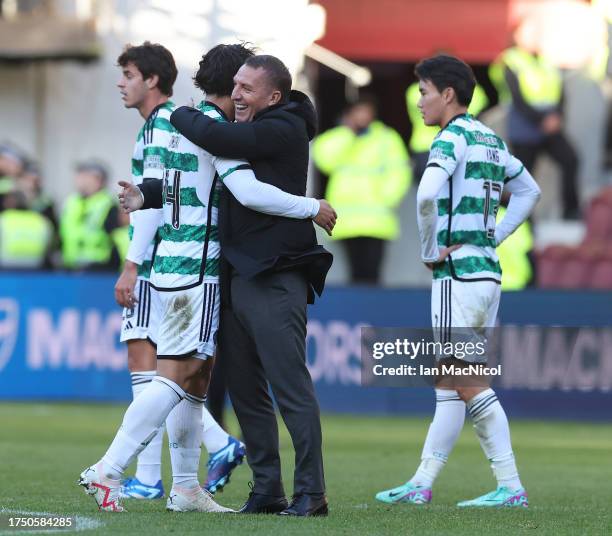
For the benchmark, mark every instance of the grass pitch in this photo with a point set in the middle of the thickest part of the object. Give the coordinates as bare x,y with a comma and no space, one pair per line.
566,467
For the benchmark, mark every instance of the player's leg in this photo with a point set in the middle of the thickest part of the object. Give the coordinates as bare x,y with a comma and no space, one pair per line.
225,452
142,364
184,426
217,393
191,323
214,436
147,482
489,418
148,411
140,424
448,418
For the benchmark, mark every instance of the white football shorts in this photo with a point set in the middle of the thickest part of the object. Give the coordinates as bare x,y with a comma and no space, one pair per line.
464,312
136,321
184,323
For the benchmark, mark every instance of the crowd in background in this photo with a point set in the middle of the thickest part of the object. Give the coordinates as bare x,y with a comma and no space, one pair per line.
369,174
370,168
88,233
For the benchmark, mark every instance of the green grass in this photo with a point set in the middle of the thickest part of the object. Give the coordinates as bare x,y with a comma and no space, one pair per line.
566,467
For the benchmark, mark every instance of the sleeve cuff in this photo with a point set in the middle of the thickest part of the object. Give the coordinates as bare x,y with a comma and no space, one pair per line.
433,258
315,207
136,259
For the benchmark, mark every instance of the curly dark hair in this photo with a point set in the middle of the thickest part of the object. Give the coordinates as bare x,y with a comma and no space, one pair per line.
218,67
151,59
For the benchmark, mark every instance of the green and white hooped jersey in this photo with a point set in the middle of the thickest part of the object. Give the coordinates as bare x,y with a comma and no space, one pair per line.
188,251
148,162
478,164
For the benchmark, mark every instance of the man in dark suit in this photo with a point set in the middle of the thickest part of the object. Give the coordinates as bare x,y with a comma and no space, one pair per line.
272,266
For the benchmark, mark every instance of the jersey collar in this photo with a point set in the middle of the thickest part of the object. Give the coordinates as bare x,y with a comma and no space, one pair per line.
453,119
159,107
208,103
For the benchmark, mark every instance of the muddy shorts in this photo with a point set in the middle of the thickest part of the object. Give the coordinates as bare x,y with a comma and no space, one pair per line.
185,323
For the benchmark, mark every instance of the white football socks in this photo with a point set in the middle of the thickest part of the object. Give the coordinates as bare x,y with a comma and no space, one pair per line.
140,424
443,432
213,436
184,426
148,468
493,431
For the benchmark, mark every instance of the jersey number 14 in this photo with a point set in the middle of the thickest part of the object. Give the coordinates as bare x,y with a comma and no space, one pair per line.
172,195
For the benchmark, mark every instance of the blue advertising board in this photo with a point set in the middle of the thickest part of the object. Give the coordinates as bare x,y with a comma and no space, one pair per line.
59,340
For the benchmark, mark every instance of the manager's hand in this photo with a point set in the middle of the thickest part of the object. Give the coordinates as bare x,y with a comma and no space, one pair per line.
130,197
326,217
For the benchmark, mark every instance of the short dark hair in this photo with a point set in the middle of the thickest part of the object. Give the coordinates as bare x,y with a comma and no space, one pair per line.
279,76
151,59
219,66
447,71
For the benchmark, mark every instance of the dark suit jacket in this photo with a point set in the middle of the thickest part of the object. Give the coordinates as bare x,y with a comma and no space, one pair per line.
276,145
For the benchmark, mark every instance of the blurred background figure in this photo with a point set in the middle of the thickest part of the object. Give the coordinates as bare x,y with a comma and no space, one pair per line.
369,175
121,236
12,164
516,253
30,183
535,117
88,220
422,135
26,236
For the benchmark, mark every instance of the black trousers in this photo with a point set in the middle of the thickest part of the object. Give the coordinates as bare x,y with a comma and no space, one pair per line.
365,259
215,398
560,150
263,340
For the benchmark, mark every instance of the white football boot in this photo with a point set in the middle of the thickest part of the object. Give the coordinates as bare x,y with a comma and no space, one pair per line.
105,491
193,500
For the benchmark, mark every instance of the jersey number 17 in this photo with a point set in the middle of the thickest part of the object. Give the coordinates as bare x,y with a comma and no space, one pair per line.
493,191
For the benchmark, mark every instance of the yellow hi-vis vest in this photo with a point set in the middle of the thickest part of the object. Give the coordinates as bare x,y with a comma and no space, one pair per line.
422,135
84,239
512,253
368,177
25,237
540,82
121,240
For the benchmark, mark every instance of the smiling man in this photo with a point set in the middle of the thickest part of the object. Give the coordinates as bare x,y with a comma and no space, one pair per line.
272,267
468,168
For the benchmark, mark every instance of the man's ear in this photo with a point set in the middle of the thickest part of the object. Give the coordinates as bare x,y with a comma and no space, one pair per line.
275,98
448,95
152,81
